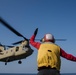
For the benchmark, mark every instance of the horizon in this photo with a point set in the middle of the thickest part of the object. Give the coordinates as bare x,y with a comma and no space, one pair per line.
49,16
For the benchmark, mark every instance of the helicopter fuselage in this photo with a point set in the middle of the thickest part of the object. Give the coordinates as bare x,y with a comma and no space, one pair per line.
16,53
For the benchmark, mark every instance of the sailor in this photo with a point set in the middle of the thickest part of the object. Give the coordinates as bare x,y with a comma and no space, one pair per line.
48,59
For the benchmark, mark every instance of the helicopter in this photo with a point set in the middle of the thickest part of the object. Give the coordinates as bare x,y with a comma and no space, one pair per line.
13,53
19,52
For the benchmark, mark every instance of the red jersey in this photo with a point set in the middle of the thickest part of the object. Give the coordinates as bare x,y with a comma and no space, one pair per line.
62,52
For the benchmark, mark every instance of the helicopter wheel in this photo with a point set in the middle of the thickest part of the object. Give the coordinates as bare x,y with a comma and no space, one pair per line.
5,63
19,61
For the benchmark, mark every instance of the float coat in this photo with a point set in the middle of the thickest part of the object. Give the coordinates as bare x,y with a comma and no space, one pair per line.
49,55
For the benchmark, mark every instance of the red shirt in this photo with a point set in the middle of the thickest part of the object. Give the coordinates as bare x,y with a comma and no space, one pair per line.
62,52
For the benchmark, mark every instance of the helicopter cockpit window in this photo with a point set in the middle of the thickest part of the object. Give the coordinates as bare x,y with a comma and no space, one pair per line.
17,48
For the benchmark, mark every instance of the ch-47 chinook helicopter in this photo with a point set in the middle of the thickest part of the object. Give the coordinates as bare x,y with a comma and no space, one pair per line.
19,52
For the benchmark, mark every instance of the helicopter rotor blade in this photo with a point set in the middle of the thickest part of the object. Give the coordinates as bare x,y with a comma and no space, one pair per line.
38,40
8,46
60,39
17,42
18,34
11,28
55,39
5,45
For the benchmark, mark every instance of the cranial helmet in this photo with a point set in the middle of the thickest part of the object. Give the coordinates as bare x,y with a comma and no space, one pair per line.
48,38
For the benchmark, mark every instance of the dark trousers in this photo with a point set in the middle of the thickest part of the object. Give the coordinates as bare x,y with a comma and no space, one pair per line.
48,72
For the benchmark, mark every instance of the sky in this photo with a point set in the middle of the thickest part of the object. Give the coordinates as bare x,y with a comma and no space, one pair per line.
57,17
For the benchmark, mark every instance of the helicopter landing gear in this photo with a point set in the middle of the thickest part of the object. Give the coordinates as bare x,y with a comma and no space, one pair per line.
5,63
19,61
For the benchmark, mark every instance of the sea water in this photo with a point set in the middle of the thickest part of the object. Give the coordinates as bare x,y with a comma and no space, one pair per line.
33,74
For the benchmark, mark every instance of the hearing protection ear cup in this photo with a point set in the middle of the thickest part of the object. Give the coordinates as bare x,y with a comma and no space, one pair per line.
42,40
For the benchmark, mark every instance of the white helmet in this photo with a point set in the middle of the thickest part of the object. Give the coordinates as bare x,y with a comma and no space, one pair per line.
48,37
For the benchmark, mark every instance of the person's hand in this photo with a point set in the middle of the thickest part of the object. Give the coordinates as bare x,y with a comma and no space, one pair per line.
36,31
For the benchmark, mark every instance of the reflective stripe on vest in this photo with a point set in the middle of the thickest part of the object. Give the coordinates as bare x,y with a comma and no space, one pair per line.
49,55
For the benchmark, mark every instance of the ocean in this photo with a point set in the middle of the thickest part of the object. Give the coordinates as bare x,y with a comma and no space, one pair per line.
33,74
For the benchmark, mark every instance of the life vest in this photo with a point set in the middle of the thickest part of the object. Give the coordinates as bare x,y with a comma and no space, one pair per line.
49,55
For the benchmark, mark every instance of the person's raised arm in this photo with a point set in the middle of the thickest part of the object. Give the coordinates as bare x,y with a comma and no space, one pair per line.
32,40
